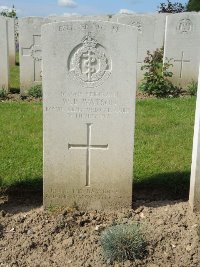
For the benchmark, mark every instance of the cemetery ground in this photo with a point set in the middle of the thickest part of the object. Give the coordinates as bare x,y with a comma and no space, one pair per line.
30,236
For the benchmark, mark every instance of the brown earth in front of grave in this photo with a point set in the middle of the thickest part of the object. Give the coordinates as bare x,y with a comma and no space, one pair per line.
30,236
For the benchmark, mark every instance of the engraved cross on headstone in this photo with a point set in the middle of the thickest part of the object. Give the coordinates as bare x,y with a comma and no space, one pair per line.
88,147
182,61
35,52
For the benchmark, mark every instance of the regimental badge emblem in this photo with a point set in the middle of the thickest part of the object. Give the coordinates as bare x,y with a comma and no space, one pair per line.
89,63
185,26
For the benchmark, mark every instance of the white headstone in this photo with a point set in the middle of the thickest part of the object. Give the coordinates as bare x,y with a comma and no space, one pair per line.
195,168
151,29
89,85
11,41
160,25
30,52
4,60
182,47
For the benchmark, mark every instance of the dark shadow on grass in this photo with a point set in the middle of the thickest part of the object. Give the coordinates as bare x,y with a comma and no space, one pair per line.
22,196
163,186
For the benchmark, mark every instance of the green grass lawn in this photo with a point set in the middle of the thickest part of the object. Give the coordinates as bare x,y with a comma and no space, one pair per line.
163,142
14,76
20,143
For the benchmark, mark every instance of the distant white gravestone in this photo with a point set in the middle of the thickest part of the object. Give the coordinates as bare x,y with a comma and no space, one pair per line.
11,41
182,47
151,32
4,59
195,168
89,85
30,52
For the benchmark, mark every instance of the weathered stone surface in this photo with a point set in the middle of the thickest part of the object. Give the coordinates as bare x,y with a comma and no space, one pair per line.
30,52
195,168
151,29
89,85
182,46
4,60
11,41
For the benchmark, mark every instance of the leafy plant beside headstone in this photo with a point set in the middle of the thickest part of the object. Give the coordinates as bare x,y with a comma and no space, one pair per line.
155,81
192,88
35,91
123,242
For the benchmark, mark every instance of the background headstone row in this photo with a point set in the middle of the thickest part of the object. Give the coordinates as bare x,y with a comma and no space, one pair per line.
178,33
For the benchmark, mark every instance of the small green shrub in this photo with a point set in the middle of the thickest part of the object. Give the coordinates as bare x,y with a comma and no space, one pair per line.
35,91
192,88
155,81
3,93
123,242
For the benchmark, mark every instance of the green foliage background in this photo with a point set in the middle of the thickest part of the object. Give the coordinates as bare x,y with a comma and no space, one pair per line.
193,5
10,13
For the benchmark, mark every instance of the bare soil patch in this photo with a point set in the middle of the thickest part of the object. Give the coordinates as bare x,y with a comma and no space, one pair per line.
32,237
